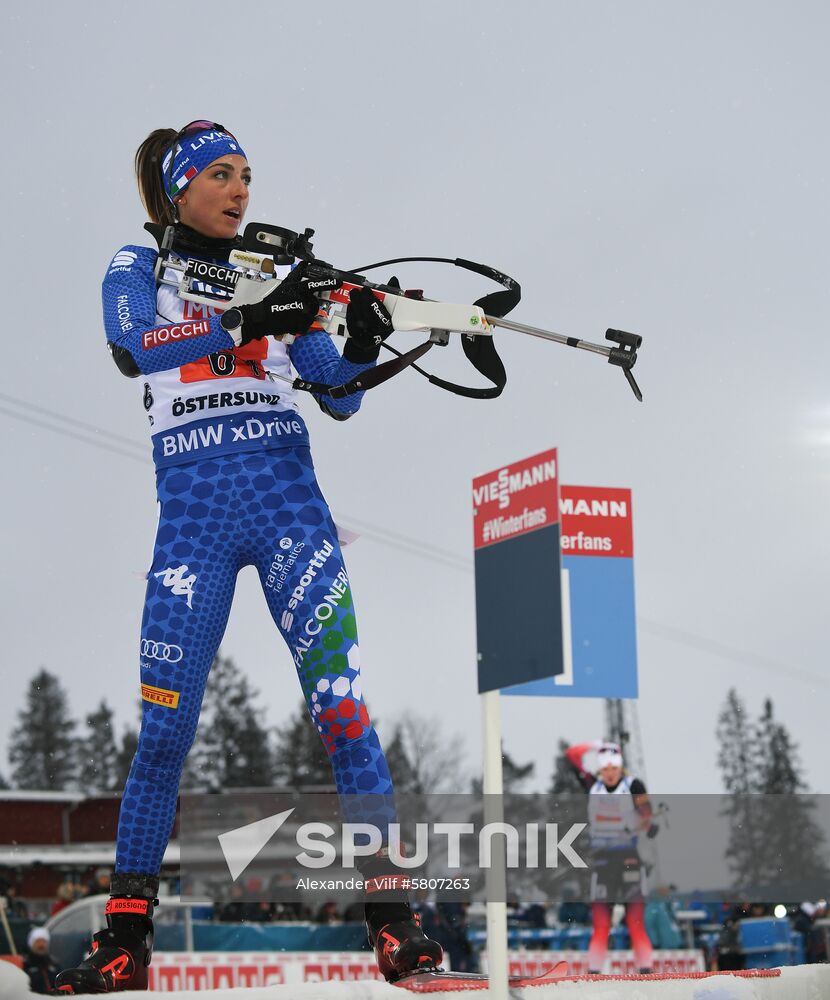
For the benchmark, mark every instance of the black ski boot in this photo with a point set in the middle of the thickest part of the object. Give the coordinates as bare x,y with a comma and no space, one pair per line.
120,954
394,931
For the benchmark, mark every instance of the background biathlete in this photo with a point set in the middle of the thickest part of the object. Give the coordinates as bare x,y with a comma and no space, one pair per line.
236,487
619,811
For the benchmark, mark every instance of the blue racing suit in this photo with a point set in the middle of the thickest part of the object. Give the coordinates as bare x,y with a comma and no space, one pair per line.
236,487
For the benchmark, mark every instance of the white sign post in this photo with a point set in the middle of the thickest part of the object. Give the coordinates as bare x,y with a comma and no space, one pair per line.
495,877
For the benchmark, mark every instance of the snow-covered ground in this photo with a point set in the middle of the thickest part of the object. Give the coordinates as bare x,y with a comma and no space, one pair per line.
809,982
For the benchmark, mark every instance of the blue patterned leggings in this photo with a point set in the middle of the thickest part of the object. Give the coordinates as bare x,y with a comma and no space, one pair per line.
263,509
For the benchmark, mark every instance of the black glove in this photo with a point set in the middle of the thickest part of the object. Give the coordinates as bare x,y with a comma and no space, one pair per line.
652,831
369,324
290,308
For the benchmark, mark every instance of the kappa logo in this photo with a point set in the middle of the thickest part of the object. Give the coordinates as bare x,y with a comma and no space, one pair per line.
123,261
179,584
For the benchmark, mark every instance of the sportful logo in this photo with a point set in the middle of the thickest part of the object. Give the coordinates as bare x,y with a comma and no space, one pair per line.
316,562
286,621
123,261
507,483
179,584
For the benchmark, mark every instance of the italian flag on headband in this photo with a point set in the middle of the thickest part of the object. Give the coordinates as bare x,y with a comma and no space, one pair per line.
182,182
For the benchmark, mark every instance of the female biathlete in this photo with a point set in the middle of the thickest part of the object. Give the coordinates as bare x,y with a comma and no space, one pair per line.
236,487
618,811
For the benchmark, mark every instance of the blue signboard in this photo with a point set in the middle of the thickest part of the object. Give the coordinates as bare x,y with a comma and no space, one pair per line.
598,606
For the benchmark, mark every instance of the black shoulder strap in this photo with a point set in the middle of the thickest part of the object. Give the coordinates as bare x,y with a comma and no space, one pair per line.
480,351
368,379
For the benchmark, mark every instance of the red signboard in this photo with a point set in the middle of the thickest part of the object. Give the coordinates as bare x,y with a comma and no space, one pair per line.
596,521
511,501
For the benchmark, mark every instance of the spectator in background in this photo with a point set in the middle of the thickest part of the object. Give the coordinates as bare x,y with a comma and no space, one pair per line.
295,911
730,956
237,909
573,910
38,964
534,915
67,893
452,921
515,912
281,886
446,922
661,925
15,906
803,921
259,910
99,884
327,914
619,811
354,912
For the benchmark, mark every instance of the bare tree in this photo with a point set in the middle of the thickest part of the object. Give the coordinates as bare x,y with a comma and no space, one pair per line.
423,759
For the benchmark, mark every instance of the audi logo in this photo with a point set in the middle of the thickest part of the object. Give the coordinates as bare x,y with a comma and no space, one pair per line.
161,651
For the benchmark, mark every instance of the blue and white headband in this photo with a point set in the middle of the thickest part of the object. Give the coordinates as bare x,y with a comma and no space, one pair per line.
196,146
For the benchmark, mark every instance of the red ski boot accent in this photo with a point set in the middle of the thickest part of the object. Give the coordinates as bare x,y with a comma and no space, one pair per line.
119,955
394,932
403,947
118,961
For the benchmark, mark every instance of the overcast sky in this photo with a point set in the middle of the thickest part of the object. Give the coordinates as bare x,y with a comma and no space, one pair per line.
657,167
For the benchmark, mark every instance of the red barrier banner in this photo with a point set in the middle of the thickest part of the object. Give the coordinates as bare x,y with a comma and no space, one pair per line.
620,963
229,970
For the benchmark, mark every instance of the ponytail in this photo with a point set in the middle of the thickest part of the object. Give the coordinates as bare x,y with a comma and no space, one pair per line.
148,160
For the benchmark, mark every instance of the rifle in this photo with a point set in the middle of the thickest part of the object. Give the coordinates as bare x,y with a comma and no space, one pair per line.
264,246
